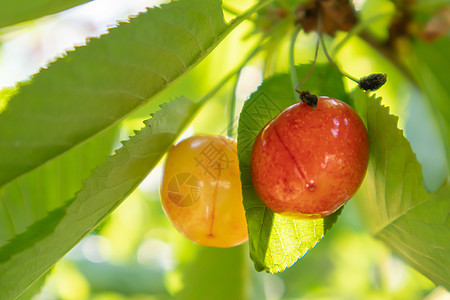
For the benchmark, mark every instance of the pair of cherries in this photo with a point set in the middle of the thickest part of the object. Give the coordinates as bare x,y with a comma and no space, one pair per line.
306,163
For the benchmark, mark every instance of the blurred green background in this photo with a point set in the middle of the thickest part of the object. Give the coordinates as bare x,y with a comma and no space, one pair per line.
137,254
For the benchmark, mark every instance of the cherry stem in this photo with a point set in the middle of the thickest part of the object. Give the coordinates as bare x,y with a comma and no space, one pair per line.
302,94
368,83
292,69
232,108
310,69
325,51
237,73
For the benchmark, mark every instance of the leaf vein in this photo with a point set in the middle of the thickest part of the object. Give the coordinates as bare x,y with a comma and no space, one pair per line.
187,31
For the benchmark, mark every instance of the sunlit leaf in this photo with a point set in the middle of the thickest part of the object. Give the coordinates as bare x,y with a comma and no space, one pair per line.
35,288
5,96
421,236
30,254
277,242
393,200
96,85
13,12
429,64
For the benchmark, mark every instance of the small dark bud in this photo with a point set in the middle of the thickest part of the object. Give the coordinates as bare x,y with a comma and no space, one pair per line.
308,98
372,82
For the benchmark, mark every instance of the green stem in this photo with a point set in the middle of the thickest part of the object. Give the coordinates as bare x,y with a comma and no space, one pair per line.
230,75
273,34
233,24
230,10
232,108
232,104
238,20
237,71
325,51
292,70
311,69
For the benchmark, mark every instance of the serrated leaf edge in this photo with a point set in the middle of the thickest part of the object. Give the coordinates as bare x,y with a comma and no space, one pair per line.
6,254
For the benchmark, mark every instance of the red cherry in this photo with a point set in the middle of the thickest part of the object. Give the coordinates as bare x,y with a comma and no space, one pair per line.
308,162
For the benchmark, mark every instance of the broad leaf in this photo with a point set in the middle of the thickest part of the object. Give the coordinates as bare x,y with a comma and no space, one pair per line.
95,86
277,242
35,288
13,12
30,197
429,64
29,255
393,200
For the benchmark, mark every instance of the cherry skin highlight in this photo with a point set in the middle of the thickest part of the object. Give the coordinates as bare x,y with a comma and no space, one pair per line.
201,191
307,162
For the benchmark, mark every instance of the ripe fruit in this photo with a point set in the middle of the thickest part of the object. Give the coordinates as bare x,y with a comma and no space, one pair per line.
308,162
201,191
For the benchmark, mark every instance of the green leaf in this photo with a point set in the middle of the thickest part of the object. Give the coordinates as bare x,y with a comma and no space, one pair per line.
13,12
429,64
394,202
97,85
277,242
29,255
5,96
208,277
421,236
30,197
35,288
